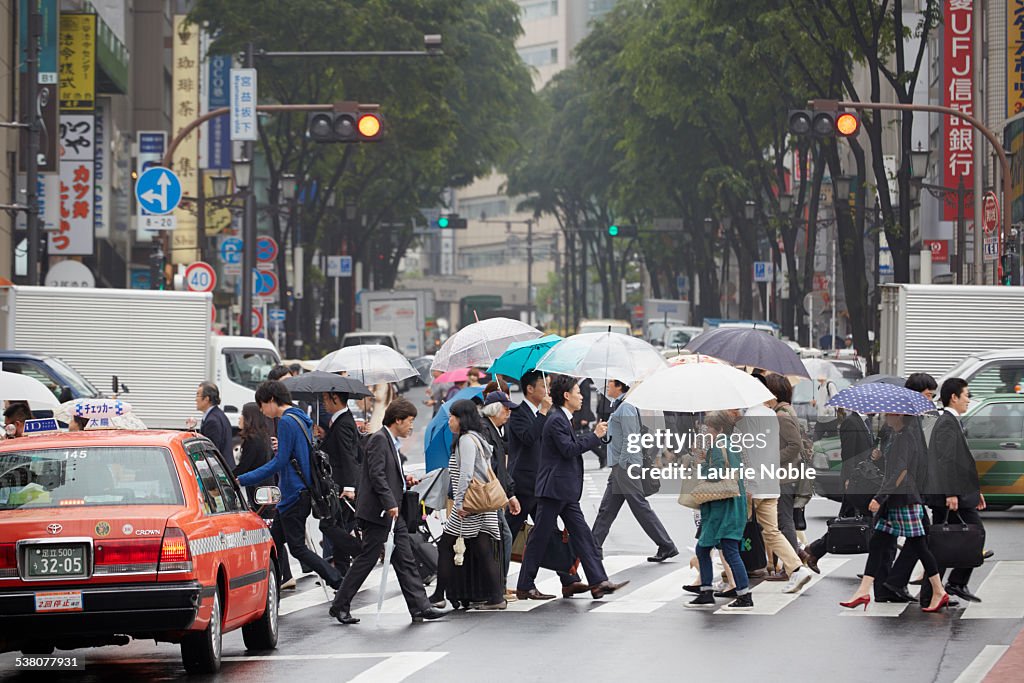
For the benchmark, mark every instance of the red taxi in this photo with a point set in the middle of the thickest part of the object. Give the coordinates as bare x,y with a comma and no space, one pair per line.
107,536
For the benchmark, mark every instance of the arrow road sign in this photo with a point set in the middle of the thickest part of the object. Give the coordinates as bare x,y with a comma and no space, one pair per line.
158,190
277,315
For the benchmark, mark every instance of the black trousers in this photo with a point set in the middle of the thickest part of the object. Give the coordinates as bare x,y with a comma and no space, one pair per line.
881,553
528,505
284,565
294,522
960,576
548,510
402,561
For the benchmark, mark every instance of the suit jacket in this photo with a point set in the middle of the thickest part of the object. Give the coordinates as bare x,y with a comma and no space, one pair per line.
499,456
524,442
560,472
900,486
854,437
217,429
381,482
956,472
341,443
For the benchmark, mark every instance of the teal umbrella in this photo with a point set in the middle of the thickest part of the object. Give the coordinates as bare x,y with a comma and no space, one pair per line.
522,356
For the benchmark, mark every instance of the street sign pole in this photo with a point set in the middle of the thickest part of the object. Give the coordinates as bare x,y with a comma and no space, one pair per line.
248,225
35,30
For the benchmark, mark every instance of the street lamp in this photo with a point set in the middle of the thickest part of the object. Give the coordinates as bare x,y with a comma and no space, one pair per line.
785,202
748,209
243,180
843,185
220,185
243,173
289,186
919,162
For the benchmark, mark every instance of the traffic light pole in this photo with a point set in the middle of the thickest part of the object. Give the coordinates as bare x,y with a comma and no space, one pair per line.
248,227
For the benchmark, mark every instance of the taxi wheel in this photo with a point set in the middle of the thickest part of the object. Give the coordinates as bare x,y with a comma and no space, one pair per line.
200,651
262,633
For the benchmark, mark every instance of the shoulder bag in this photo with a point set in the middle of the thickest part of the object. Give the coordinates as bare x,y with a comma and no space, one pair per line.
485,496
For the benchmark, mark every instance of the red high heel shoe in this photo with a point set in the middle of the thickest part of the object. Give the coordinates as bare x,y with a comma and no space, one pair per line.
943,602
857,602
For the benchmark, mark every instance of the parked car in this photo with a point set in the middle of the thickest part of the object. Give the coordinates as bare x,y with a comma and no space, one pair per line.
991,372
603,325
108,536
358,338
56,375
678,336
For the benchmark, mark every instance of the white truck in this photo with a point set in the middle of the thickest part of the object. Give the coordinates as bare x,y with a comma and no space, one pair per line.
661,314
152,348
932,328
402,312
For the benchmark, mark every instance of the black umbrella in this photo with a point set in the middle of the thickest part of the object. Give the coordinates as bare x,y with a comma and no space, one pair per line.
881,379
310,385
750,348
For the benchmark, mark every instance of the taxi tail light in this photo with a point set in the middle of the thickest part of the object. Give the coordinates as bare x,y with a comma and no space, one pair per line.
127,557
8,561
174,552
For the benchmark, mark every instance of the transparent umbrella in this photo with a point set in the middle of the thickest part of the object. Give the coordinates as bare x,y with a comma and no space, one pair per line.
602,356
15,387
480,344
698,388
369,363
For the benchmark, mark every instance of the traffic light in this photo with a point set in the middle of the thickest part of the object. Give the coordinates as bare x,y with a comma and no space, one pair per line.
1011,264
157,261
823,123
618,230
349,122
452,221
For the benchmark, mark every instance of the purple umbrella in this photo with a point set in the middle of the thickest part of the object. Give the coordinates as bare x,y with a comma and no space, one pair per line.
750,348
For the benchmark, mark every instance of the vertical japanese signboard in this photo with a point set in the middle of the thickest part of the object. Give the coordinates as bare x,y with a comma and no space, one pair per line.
243,105
185,84
1014,57
77,70
958,93
102,171
218,144
74,236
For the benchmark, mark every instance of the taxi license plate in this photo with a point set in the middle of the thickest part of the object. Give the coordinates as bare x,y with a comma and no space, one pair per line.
59,601
53,561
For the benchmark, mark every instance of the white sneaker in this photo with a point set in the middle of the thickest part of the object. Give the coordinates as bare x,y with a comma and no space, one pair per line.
797,580
289,584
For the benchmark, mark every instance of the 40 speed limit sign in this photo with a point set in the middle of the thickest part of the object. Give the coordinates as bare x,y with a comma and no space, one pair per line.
200,277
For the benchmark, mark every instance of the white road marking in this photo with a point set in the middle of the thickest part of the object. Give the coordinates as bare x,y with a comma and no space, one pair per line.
613,564
396,667
769,598
982,664
1000,593
315,595
651,596
876,609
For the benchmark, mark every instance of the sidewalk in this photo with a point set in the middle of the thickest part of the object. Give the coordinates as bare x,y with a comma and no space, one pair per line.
1010,666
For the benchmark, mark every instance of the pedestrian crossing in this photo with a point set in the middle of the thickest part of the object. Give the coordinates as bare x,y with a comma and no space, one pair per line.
655,588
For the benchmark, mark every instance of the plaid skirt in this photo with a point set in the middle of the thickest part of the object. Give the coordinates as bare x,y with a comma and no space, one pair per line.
902,520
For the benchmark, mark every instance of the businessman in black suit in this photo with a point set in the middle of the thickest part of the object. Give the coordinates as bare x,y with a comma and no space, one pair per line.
215,425
341,443
558,490
956,476
382,484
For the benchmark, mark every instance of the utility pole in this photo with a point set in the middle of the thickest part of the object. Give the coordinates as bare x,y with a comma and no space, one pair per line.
529,271
248,225
35,31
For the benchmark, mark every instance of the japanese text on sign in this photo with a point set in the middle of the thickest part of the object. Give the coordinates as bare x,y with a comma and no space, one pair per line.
76,52
958,93
74,235
243,104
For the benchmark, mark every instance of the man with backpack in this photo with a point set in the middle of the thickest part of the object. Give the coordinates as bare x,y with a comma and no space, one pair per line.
293,467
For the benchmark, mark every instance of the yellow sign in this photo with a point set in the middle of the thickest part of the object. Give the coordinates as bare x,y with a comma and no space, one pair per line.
76,53
1014,58
185,86
218,216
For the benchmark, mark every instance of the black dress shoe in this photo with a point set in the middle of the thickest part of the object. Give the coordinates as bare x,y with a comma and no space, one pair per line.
427,615
605,588
343,616
987,554
962,592
574,589
663,555
894,594
532,594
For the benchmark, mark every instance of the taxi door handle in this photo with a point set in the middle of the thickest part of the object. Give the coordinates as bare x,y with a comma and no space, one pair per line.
1009,444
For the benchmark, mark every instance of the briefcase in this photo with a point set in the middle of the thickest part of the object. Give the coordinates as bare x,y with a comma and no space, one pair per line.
559,556
752,547
849,535
957,544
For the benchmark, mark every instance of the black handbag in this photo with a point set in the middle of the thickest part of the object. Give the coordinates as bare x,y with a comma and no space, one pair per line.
752,547
559,555
957,544
849,535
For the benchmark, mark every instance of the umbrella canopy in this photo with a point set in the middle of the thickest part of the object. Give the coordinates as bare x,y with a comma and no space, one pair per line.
882,379
15,387
422,365
881,397
310,385
698,388
481,343
521,357
433,488
749,348
437,439
369,363
103,413
602,356
819,368
687,358
452,376
389,549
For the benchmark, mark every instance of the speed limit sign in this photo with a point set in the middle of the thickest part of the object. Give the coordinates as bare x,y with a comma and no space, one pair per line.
200,277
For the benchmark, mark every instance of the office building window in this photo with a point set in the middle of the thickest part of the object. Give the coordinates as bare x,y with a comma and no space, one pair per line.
540,55
599,8
483,207
538,9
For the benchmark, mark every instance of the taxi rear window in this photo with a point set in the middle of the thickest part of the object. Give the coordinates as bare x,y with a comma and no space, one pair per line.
78,477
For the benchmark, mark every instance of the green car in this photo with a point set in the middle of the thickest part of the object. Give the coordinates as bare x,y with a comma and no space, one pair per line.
995,431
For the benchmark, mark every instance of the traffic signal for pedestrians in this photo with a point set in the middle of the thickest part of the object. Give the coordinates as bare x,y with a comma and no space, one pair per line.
824,123
618,230
349,122
452,221
157,261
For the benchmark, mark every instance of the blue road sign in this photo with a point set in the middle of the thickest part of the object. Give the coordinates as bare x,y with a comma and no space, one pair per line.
277,315
762,271
345,266
266,249
682,283
158,190
264,283
231,251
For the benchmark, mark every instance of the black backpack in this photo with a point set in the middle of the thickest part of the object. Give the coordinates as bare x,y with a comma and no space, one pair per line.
325,498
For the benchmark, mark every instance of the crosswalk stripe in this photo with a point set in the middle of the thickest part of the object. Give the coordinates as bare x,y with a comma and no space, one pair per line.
982,664
651,596
613,564
876,609
769,598
1000,593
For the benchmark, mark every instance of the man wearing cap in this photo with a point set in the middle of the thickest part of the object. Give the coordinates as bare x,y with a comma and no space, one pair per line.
624,428
497,409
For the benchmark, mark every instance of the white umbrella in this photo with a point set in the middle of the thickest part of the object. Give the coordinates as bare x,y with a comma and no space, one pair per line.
819,368
698,388
15,387
482,343
389,549
602,356
369,363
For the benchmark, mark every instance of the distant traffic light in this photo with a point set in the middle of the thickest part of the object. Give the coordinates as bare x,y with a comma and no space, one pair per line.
823,123
157,262
1011,268
452,221
349,122
618,230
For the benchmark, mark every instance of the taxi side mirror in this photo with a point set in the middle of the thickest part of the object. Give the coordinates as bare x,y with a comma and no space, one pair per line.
268,495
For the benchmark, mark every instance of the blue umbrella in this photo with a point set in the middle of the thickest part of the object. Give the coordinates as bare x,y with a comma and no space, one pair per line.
437,440
521,357
880,397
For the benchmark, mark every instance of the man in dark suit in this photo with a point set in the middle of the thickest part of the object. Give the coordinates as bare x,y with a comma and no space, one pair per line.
524,428
215,425
956,478
558,490
341,444
382,484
